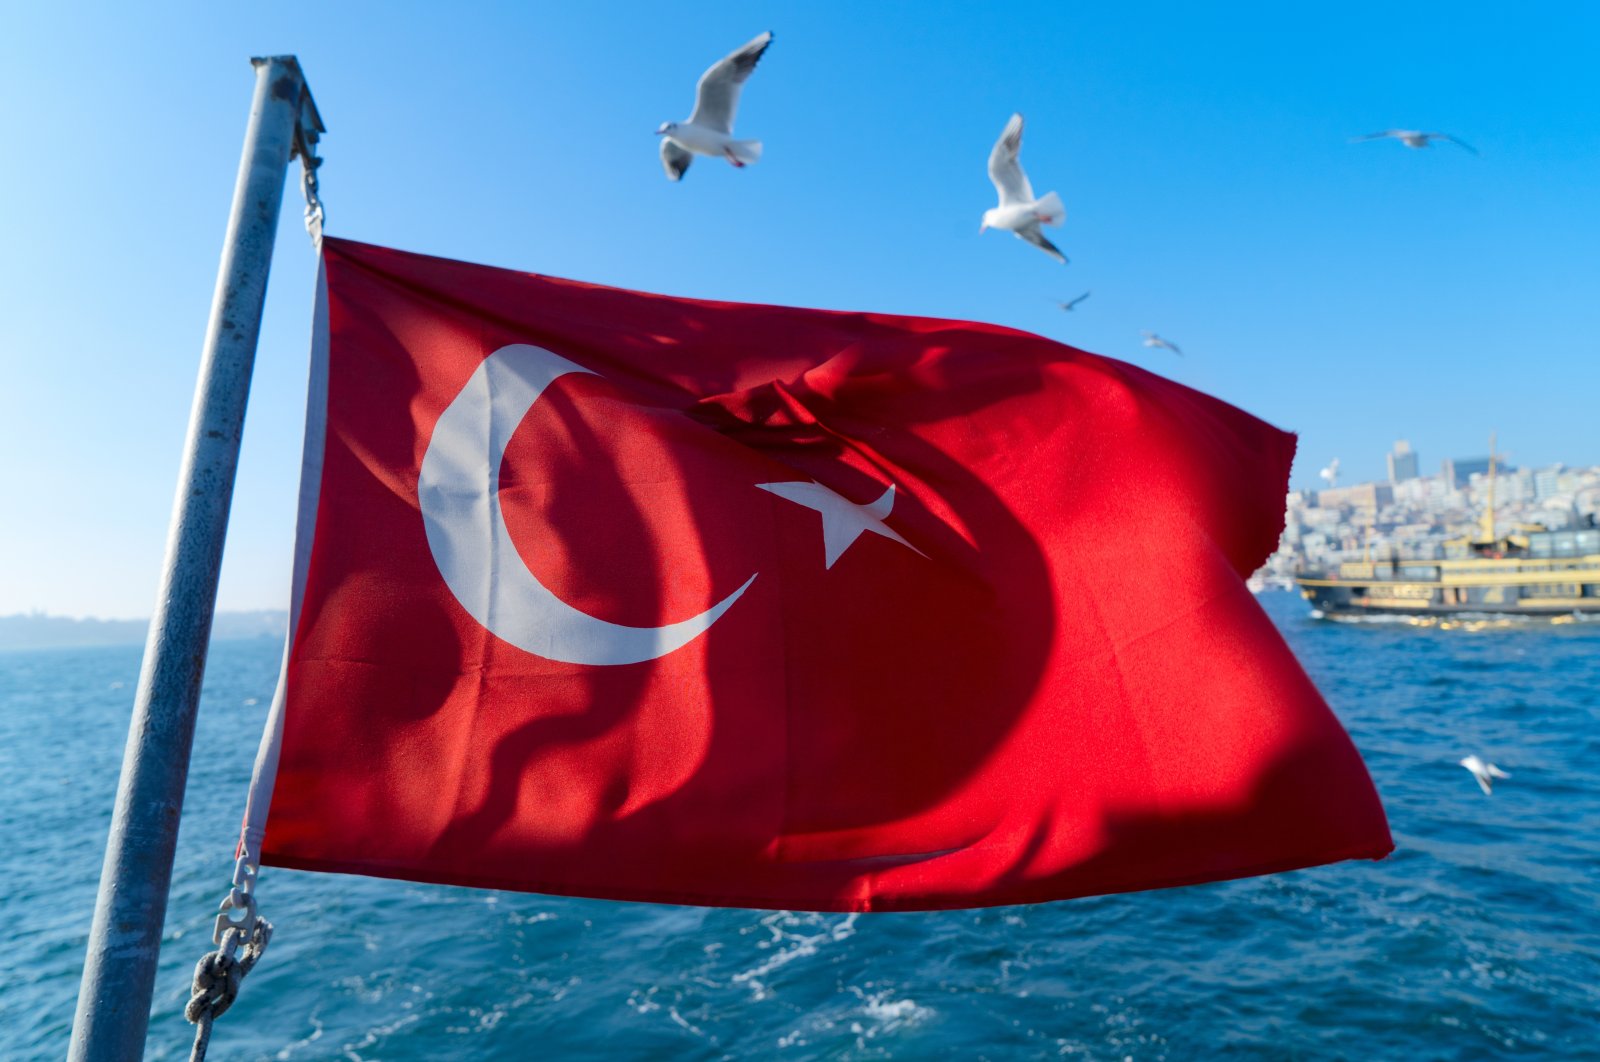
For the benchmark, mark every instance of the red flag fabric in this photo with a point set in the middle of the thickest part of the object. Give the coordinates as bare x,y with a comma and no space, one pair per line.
618,595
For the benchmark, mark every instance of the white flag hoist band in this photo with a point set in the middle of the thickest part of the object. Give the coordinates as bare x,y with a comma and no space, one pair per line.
113,1011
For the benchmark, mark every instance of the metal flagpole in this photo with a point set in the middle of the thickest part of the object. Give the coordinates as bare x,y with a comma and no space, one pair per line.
125,940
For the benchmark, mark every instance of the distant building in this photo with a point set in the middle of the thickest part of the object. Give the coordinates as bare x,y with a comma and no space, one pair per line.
1458,471
1547,481
1364,496
1402,462
1423,493
1520,486
1553,519
1572,480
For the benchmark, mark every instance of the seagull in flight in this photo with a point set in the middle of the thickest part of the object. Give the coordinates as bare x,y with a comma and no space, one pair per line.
1153,340
1070,306
709,130
1019,212
1414,138
1485,773
1331,473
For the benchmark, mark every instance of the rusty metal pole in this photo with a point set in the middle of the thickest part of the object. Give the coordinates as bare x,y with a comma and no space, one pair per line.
125,940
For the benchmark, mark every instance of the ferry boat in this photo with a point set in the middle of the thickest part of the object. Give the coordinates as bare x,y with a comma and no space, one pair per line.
1538,573
1530,572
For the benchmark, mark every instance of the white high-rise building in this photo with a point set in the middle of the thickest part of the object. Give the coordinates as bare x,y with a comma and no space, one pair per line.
1547,481
1402,462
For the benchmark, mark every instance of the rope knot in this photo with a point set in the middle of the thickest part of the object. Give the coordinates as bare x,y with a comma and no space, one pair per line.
216,980
216,985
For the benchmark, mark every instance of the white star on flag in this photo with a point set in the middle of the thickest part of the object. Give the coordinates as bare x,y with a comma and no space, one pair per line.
842,521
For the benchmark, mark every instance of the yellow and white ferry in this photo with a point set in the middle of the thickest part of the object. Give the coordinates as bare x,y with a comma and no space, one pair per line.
1540,573
1531,572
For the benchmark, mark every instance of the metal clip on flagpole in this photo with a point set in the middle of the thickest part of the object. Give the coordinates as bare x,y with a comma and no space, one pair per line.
308,129
125,940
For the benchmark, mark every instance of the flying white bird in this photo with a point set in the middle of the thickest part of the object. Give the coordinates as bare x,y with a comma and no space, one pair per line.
1331,473
1019,212
1070,306
1414,138
1485,773
709,130
1153,340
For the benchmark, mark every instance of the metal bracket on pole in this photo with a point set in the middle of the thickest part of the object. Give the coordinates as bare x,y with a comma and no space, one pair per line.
307,131
125,939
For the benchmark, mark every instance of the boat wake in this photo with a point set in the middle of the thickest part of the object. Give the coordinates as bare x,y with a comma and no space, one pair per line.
1465,621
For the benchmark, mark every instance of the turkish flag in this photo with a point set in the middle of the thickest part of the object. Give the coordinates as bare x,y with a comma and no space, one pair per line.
618,595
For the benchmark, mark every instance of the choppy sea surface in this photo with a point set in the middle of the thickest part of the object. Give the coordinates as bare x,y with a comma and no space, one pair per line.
1479,938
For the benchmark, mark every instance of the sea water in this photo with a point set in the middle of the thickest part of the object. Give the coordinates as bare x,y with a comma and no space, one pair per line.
1478,938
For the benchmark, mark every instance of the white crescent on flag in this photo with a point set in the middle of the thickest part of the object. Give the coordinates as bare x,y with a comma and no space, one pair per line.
459,494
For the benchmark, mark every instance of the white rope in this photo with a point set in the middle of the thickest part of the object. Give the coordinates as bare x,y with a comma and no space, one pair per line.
240,945
216,982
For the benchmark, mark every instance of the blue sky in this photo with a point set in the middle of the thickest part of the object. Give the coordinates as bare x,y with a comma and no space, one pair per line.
1353,293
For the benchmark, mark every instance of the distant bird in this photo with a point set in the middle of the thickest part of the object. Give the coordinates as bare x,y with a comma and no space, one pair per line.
1331,473
1414,138
1070,306
1153,340
1019,212
1485,773
709,130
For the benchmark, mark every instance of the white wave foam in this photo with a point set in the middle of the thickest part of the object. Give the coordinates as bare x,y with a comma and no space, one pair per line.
1468,621
885,1016
792,946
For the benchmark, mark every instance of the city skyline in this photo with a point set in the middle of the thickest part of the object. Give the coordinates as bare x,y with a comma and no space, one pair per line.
1404,461
1416,517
